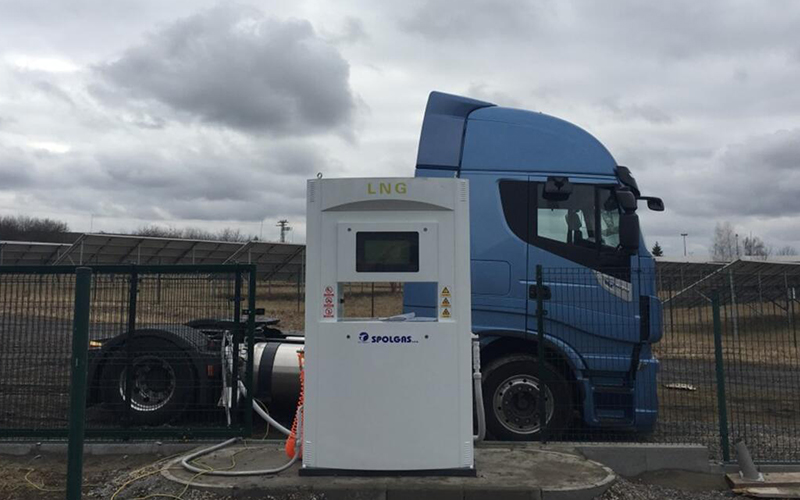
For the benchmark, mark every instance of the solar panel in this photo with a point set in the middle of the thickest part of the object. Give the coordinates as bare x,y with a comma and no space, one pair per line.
30,253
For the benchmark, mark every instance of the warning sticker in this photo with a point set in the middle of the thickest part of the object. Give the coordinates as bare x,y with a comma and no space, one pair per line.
445,313
445,292
328,302
445,302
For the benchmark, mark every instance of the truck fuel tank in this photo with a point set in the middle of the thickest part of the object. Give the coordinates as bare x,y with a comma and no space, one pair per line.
276,371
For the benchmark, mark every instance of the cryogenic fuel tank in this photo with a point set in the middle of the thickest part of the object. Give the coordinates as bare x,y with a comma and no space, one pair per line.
277,371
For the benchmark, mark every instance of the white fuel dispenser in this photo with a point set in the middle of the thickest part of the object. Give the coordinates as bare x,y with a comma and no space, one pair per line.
388,395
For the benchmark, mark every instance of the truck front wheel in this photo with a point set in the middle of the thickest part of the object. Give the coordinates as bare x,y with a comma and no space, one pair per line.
162,381
511,389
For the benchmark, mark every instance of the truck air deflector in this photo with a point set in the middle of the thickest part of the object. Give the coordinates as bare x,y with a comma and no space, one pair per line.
443,130
523,141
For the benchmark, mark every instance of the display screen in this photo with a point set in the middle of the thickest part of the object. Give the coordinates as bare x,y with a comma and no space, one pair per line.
387,252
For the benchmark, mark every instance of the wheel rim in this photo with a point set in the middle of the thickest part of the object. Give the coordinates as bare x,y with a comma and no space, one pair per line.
153,383
516,404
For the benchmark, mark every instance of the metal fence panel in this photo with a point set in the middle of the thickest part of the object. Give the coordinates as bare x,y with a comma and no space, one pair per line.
138,366
747,388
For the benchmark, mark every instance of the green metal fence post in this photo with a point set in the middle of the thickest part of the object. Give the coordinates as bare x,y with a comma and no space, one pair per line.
77,404
133,294
542,402
251,327
237,337
721,400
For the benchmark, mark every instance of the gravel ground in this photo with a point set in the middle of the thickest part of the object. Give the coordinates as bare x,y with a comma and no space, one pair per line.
669,485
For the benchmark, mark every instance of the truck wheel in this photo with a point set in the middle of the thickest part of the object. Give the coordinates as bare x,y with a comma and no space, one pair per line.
163,381
511,392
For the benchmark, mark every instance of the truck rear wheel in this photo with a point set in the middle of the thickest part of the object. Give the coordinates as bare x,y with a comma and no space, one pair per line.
162,379
511,388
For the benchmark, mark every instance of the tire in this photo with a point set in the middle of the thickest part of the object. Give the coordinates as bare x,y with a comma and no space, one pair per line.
510,391
163,381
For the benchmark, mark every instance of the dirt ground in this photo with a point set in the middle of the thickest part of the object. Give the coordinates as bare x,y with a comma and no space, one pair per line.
126,477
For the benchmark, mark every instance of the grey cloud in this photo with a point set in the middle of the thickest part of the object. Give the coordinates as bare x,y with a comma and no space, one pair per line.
15,172
778,152
756,178
686,29
351,31
475,20
234,67
627,111
194,183
485,92
51,89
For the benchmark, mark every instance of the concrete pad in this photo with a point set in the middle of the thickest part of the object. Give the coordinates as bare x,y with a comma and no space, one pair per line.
510,471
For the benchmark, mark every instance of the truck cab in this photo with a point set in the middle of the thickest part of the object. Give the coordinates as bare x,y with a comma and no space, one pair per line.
544,192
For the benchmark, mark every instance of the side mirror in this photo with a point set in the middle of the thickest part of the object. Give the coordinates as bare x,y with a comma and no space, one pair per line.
629,232
557,189
653,203
627,200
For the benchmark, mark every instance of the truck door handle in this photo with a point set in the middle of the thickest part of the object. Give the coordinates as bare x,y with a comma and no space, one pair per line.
545,292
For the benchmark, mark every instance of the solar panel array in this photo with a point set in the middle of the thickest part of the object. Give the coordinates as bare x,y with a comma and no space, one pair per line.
275,261
691,284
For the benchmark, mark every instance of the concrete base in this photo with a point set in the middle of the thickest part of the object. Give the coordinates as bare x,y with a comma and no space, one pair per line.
633,459
508,471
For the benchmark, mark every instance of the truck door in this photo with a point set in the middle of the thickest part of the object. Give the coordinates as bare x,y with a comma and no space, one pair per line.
592,283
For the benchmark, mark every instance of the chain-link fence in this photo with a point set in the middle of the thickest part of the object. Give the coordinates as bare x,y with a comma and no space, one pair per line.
156,335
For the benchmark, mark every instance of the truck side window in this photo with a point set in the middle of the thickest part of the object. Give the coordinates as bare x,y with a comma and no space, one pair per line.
571,221
584,228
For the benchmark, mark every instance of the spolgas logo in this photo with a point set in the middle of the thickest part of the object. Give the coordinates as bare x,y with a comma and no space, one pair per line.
387,188
366,338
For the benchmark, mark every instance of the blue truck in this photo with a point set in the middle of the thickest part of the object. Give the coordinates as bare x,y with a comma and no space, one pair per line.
543,192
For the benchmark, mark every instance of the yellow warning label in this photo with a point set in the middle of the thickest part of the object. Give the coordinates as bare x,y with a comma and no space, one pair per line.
445,292
445,302
445,313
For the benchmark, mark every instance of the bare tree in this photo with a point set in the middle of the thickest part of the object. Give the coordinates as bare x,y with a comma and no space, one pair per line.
24,228
724,245
787,250
753,246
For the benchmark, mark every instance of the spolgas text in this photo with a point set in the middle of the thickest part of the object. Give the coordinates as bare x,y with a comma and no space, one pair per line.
387,339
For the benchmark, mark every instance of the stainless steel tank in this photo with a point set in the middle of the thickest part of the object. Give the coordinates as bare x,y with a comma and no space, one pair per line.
276,371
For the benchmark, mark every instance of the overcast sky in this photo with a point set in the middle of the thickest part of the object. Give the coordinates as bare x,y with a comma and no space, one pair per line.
120,113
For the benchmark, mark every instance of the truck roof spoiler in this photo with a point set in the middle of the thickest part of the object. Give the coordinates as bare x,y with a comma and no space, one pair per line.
443,130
